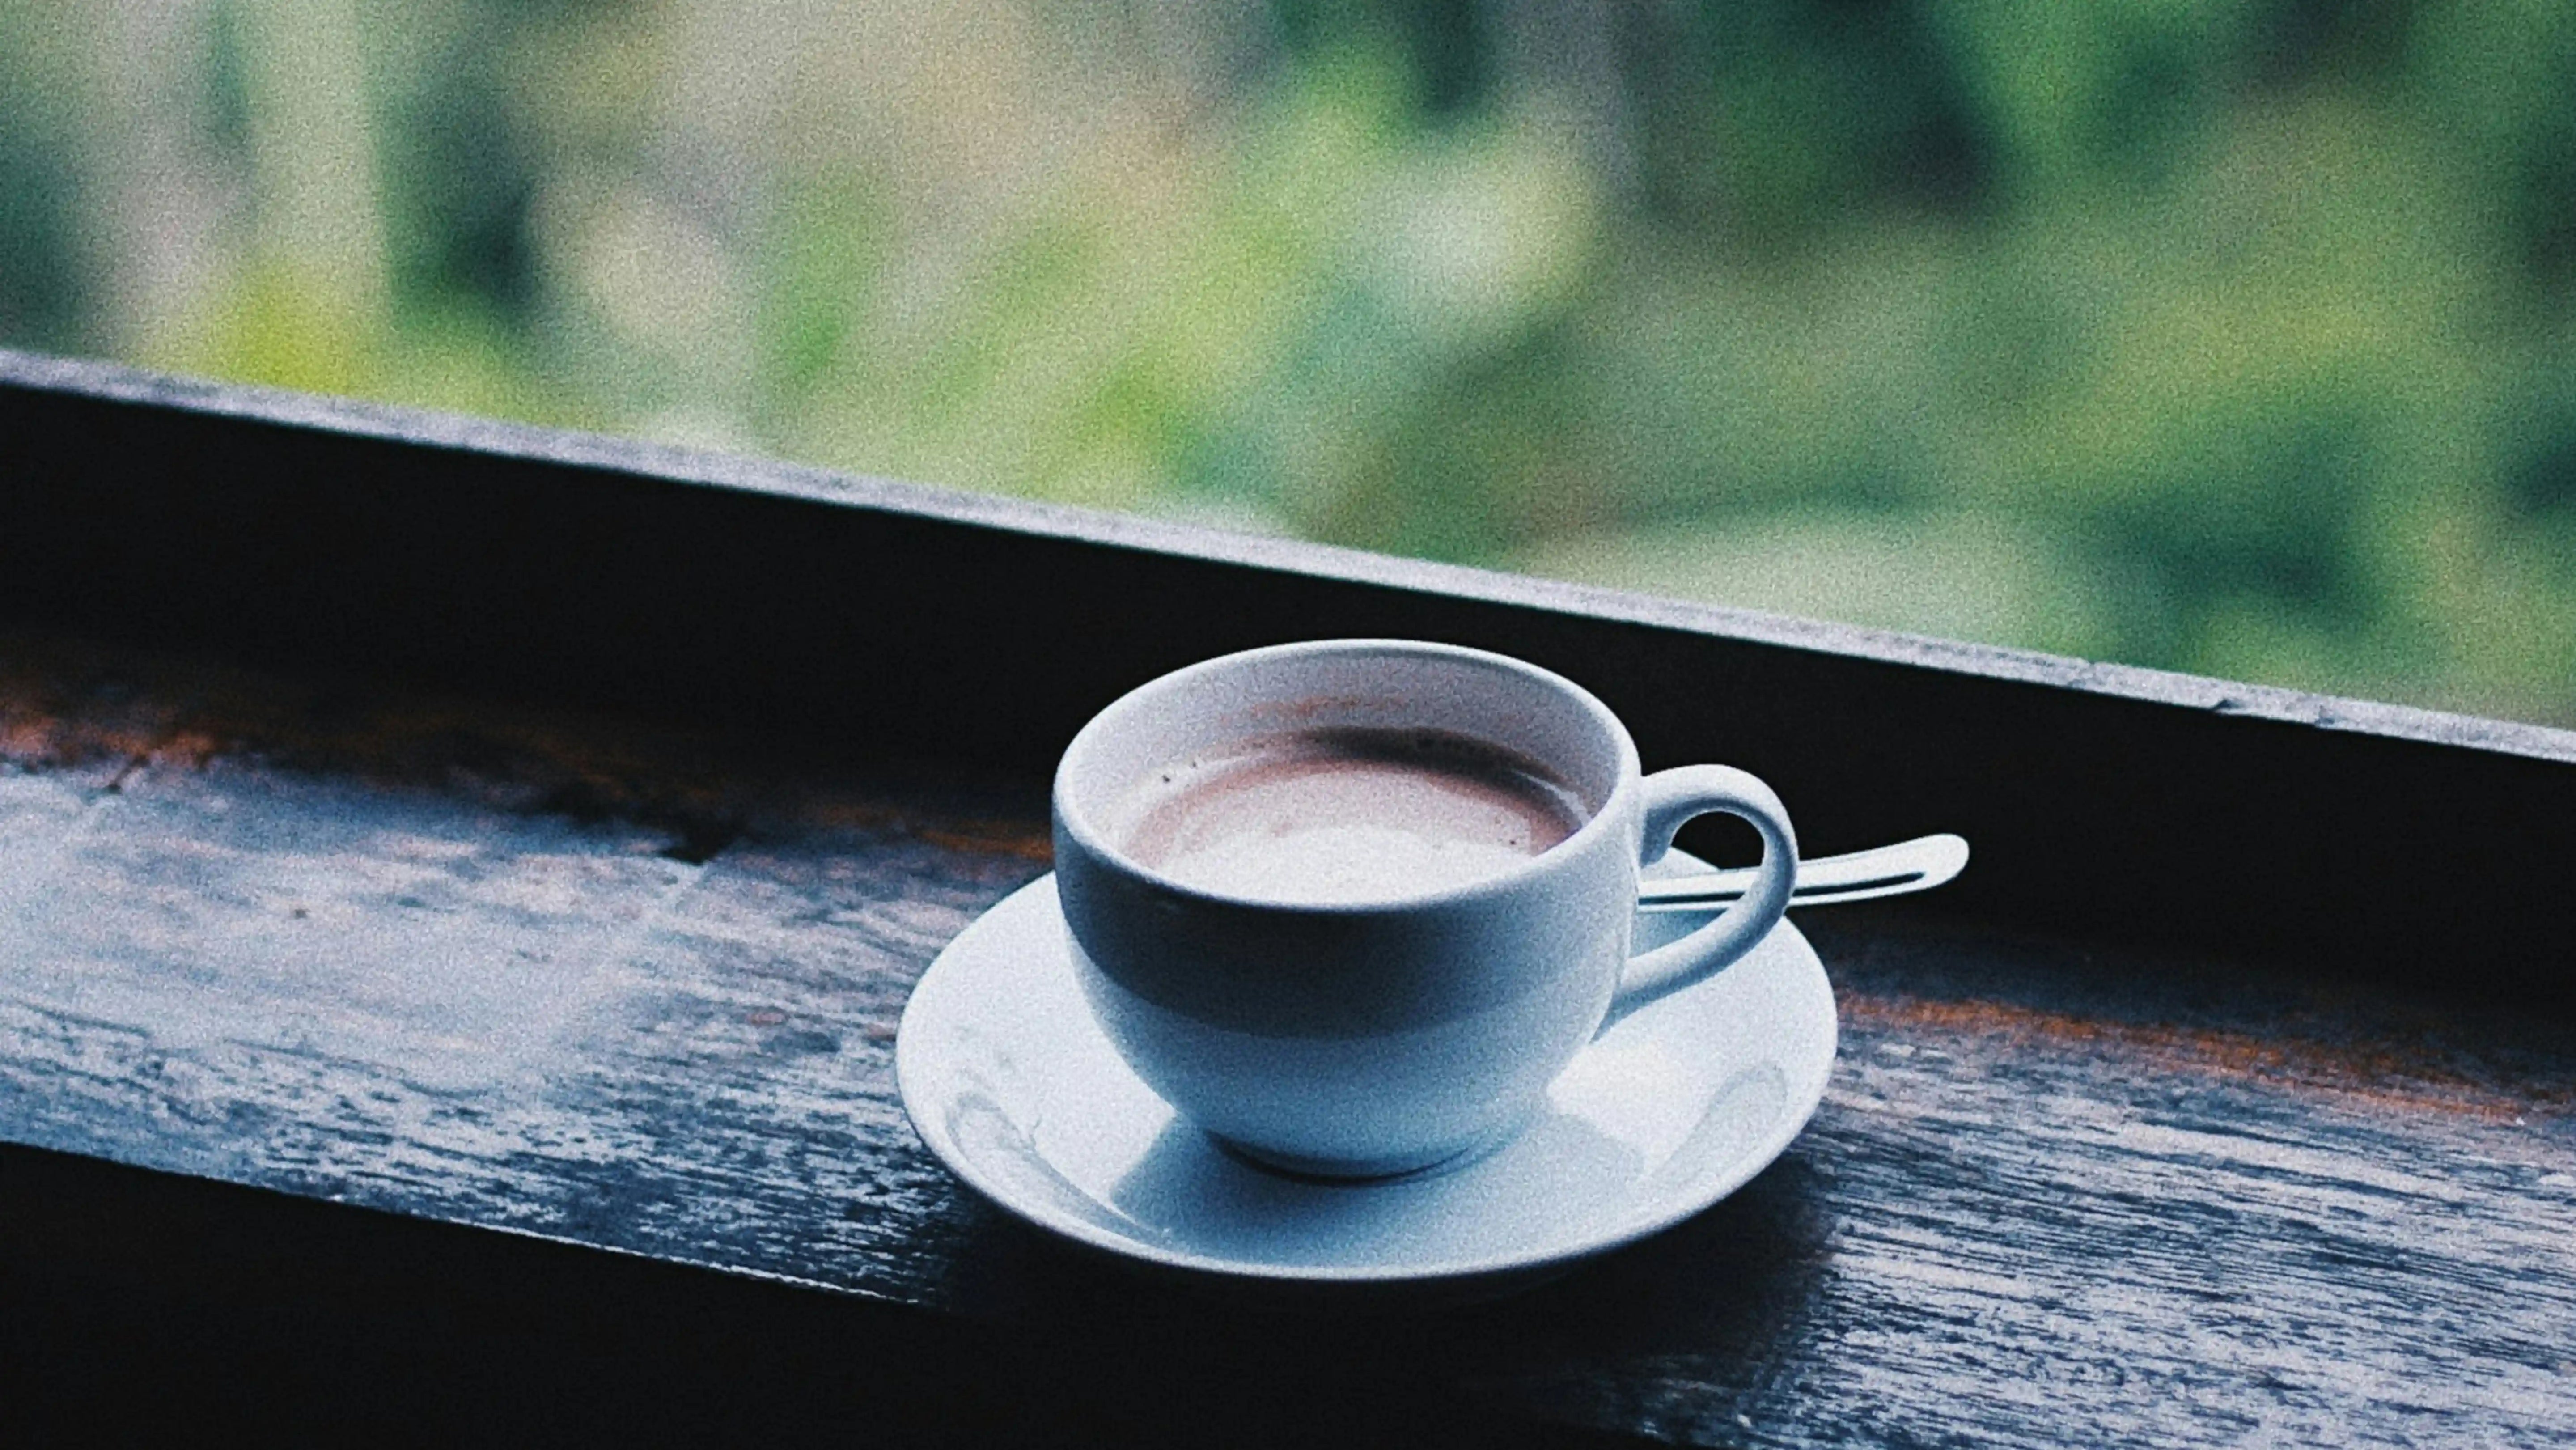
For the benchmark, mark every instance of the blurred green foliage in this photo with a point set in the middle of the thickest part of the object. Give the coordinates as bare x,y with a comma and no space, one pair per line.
2235,336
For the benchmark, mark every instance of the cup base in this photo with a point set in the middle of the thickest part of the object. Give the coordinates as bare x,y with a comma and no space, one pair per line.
1375,1170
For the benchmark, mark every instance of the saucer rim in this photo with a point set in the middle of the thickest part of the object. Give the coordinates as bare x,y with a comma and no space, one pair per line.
1742,1168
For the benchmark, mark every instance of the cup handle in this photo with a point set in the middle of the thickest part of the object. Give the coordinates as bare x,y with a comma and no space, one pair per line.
1673,797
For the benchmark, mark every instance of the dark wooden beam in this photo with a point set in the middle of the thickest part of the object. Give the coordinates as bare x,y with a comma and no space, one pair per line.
866,615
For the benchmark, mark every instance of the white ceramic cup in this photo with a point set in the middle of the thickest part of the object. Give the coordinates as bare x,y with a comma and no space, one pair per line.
1356,1040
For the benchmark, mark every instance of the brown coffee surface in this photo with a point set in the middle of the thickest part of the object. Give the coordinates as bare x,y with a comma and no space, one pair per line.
1337,816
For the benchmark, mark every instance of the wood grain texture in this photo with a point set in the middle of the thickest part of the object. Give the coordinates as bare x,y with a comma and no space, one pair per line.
637,989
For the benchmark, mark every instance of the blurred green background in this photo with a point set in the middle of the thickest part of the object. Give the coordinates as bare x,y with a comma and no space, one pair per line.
2235,336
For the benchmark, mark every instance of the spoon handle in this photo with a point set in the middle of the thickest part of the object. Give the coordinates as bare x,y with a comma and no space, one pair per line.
1916,865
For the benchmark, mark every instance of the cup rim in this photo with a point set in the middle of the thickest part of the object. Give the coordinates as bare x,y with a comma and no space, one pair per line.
1072,822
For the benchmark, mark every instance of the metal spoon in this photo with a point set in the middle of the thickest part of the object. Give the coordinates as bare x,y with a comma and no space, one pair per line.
1916,865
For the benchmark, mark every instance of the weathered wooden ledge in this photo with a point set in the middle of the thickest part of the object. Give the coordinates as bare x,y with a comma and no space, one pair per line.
429,1019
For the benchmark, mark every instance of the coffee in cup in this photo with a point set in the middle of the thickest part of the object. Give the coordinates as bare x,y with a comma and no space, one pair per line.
1351,905
1344,815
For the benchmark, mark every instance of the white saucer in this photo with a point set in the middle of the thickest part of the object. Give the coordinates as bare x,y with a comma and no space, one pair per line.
1014,1087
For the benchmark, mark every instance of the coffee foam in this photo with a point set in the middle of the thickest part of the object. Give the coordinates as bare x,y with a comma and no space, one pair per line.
1324,816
